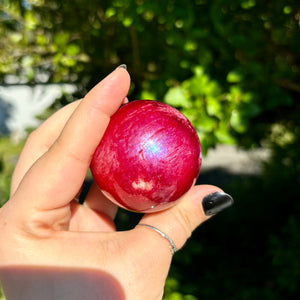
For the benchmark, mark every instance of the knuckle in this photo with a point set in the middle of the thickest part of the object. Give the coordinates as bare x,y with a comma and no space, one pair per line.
36,141
60,147
183,217
33,136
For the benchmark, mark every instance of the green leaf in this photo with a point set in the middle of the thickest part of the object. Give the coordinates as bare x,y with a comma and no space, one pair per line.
223,134
235,94
237,122
61,39
198,70
110,12
16,37
205,123
72,49
148,95
177,96
67,61
127,21
27,61
192,114
214,107
234,76
30,20
190,46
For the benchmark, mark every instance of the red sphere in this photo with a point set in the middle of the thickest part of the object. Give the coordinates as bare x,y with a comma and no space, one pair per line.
149,156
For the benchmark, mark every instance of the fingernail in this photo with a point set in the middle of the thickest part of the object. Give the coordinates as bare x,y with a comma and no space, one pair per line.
216,202
122,66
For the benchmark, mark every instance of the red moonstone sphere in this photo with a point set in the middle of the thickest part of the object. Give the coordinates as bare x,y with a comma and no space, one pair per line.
149,156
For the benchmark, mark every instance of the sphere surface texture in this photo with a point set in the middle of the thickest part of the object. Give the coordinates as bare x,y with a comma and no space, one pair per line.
149,156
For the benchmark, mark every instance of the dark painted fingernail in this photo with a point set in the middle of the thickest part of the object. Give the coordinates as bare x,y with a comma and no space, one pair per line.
122,66
216,202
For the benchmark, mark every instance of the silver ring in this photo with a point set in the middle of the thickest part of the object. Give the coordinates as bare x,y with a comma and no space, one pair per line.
172,245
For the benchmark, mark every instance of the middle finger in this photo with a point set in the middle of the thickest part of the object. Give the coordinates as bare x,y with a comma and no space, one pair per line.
39,142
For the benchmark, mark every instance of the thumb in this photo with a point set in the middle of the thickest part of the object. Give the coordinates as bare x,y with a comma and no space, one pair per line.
195,207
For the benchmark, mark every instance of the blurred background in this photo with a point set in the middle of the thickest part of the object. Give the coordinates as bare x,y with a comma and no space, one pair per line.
232,67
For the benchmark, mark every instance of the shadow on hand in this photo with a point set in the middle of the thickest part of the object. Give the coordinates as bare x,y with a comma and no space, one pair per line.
52,283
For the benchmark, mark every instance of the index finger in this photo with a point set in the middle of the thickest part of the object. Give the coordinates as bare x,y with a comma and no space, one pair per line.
56,176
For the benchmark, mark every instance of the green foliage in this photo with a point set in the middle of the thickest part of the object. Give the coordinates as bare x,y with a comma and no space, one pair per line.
9,152
245,53
1,294
217,115
171,291
284,250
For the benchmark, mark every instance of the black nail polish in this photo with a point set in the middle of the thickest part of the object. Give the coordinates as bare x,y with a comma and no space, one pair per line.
122,66
216,202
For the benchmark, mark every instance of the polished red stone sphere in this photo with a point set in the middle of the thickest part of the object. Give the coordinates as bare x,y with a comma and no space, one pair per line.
149,156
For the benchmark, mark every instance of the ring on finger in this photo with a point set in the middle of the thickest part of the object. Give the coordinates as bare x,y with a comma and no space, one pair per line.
173,248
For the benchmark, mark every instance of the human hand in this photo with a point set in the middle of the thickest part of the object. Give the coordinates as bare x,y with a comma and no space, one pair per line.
52,247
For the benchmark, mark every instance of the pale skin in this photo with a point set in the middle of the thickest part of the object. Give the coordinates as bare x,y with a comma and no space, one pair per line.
54,248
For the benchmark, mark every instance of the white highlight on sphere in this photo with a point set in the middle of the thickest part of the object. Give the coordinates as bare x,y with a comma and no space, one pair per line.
141,184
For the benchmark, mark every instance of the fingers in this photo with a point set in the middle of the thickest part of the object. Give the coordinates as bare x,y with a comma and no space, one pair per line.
96,201
84,219
57,176
179,221
40,141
